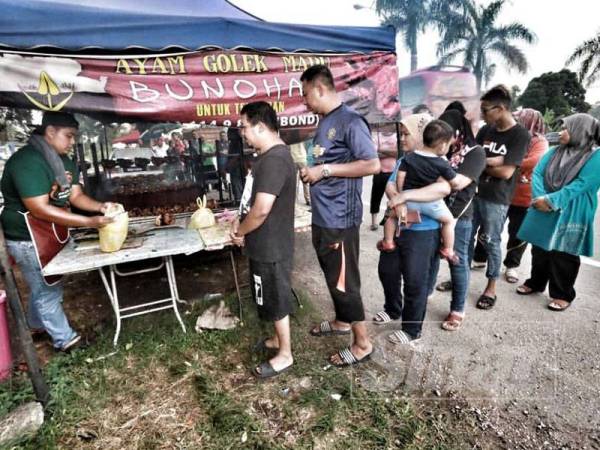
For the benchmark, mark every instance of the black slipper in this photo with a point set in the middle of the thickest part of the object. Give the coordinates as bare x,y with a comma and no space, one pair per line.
261,346
486,302
325,329
267,370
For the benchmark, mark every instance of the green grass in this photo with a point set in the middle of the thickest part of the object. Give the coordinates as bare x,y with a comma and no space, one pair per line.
223,406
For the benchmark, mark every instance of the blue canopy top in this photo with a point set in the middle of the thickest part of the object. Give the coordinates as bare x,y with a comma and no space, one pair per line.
115,26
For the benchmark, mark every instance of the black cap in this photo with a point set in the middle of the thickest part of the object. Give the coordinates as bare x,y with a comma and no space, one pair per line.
59,119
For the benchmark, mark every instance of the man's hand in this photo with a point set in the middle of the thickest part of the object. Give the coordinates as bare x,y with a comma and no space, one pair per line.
311,174
237,240
541,204
104,207
401,211
99,221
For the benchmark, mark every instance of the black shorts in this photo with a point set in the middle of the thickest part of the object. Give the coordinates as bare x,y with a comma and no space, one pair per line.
337,252
271,286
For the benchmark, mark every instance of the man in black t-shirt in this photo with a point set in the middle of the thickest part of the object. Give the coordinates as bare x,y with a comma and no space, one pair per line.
505,143
267,231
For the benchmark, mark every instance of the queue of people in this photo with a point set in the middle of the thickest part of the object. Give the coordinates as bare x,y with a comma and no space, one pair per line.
449,191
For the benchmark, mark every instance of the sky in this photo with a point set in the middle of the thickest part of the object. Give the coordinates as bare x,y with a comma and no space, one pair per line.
560,26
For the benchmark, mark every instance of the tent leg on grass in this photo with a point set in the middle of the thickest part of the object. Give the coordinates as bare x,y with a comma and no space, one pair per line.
40,388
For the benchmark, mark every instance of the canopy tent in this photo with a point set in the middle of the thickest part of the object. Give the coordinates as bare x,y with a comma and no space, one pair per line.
184,61
115,26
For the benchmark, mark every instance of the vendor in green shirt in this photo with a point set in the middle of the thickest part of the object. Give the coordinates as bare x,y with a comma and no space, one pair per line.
41,179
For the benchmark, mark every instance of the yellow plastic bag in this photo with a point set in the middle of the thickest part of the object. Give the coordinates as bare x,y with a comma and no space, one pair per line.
113,235
203,217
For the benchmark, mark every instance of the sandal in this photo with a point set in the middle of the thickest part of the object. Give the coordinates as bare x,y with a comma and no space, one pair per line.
267,370
261,346
400,337
486,302
325,329
386,247
382,318
452,322
348,358
525,290
444,286
558,304
511,275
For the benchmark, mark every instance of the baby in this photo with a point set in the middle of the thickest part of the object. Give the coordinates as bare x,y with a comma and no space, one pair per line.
419,169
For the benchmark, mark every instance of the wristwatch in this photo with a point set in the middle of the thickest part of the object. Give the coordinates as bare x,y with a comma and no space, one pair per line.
326,171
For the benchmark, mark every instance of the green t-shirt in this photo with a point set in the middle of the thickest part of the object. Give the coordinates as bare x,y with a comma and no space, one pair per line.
27,174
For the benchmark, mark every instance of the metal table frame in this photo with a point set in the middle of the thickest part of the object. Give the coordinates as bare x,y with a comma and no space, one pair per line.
148,307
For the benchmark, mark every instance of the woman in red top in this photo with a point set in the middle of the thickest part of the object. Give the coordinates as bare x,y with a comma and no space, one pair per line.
534,122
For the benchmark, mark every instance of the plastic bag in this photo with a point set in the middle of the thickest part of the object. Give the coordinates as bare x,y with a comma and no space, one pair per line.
113,235
203,217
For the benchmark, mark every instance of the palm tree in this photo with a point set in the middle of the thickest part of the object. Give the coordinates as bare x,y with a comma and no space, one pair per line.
476,35
409,17
589,54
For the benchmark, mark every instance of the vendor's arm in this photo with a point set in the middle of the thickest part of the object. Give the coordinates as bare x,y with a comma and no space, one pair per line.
41,208
258,213
81,201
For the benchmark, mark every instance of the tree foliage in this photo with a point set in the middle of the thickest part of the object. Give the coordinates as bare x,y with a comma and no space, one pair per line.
472,32
588,55
560,92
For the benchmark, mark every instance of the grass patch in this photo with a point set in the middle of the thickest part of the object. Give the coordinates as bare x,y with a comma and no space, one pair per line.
166,389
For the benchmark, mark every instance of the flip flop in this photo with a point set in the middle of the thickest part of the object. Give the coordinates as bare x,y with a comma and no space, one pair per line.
511,276
444,286
325,329
382,318
525,290
348,358
486,302
261,346
267,370
554,306
452,322
400,337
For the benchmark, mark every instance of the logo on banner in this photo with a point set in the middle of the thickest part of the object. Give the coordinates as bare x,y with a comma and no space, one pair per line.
51,95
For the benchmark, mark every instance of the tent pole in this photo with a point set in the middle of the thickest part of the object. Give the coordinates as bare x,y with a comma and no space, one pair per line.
40,388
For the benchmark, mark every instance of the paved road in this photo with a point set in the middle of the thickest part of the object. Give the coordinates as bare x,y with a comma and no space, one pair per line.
519,353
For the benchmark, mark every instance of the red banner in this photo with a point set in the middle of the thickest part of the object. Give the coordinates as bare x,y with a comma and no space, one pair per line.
207,87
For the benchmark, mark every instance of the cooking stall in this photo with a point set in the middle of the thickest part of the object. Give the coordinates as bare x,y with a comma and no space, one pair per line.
176,65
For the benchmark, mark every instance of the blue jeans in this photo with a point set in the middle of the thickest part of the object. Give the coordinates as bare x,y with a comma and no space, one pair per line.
460,272
490,217
45,302
407,264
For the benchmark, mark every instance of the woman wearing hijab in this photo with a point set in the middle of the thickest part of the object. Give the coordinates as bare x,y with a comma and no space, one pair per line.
560,222
416,248
469,161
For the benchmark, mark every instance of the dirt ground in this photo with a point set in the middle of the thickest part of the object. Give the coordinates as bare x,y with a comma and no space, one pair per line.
530,375
520,375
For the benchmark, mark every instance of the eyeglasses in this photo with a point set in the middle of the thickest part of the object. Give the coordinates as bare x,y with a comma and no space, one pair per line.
487,110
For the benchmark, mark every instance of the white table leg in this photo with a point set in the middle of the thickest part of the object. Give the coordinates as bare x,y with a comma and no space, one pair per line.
111,290
173,286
